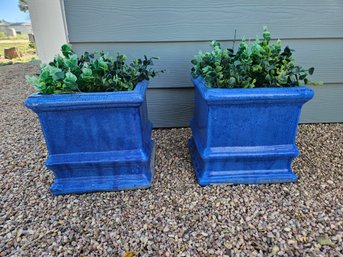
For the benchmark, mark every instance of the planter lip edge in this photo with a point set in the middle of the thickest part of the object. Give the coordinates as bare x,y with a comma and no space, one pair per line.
302,93
133,97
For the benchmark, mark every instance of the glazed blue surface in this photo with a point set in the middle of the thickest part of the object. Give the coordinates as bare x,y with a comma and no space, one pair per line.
97,141
245,136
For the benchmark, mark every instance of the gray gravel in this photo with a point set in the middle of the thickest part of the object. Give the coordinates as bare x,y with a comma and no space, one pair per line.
175,217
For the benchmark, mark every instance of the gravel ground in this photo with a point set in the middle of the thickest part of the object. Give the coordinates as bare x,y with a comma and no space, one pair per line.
175,217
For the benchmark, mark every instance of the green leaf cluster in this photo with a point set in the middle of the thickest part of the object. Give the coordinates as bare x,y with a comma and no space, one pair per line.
257,64
91,72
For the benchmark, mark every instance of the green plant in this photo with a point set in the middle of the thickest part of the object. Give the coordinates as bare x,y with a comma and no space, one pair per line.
91,72
31,46
257,64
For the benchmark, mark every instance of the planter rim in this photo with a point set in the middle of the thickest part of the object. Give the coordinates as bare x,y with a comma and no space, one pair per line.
134,97
247,95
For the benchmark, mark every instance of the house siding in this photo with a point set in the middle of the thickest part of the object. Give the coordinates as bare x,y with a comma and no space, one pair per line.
176,30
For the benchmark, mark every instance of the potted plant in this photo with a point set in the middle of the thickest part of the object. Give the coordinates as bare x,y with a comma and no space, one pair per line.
247,107
93,115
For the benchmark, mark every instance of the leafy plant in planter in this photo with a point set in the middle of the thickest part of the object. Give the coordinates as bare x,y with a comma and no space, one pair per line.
92,72
260,64
247,107
93,114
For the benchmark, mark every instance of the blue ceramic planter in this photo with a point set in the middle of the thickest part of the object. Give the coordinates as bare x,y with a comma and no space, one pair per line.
245,136
97,141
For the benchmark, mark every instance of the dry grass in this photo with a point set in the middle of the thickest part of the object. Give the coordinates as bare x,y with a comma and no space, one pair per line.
29,53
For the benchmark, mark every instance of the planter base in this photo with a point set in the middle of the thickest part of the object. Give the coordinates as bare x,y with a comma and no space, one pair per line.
109,175
257,166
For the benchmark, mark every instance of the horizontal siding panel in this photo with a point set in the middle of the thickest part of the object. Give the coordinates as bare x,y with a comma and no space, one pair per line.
174,107
326,106
170,107
323,54
180,20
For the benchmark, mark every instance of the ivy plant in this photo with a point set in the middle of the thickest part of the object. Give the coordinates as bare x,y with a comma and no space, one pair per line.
257,64
91,72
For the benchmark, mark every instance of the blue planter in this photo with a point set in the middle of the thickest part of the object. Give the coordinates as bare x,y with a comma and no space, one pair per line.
97,141
245,136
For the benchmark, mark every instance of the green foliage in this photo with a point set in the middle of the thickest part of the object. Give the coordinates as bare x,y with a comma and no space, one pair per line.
91,72
257,64
32,46
23,6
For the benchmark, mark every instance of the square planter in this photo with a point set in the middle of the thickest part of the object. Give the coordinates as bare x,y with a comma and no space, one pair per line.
97,141
245,136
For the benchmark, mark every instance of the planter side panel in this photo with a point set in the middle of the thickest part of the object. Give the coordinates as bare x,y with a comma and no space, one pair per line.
199,122
145,125
91,130
253,124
